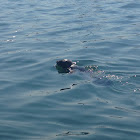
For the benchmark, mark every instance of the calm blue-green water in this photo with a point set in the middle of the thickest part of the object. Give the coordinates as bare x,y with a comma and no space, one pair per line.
36,102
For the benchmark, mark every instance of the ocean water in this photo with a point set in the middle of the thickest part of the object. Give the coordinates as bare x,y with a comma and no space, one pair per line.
37,102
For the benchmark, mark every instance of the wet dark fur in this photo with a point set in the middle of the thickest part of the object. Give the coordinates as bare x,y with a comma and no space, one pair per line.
67,66
64,63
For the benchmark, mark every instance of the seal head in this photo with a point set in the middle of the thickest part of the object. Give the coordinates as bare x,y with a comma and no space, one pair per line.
64,66
65,63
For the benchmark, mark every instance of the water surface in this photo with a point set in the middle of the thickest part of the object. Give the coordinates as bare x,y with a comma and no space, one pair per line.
36,102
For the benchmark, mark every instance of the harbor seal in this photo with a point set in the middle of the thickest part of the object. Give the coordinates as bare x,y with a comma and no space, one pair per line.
67,66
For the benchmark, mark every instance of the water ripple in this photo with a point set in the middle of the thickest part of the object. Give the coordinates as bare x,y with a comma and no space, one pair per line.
36,102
